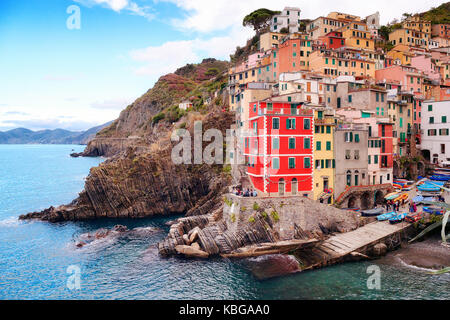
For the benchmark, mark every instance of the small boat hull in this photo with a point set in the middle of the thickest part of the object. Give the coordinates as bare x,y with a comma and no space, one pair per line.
414,217
372,213
398,218
386,216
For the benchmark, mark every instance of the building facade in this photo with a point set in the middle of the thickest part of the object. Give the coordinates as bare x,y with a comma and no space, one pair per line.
279,148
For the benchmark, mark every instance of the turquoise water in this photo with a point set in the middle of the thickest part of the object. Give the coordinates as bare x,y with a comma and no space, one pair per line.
34,256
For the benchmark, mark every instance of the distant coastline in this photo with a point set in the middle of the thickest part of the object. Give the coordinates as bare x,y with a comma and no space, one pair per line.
56,136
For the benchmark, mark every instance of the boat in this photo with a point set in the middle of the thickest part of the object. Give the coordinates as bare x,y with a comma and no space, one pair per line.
403,196
414,217
372,212
398,218
440,178
428,188
434,210
351,209
386,216
418,199
391,196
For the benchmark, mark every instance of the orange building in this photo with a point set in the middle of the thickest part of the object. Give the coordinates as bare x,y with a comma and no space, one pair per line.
292,55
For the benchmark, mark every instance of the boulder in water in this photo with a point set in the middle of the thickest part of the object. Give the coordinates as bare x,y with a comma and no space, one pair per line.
272,265
190,251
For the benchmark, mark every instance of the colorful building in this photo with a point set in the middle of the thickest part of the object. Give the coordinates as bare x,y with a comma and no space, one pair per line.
279,148
333,40
324,161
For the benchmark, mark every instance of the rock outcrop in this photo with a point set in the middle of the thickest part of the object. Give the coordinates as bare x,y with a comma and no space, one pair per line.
247,226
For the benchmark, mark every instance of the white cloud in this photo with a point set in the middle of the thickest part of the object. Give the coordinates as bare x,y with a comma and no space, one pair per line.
113,104
159,60
121,5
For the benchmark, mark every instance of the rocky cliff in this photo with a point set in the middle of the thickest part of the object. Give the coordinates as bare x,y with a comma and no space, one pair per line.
139,179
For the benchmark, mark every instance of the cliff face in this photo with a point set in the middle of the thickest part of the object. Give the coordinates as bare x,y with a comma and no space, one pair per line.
139,179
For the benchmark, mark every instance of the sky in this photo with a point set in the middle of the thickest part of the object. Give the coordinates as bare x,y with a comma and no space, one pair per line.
75,64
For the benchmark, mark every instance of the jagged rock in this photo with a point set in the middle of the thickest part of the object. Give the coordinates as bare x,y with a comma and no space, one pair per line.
190,251
186,239
195,245
193,234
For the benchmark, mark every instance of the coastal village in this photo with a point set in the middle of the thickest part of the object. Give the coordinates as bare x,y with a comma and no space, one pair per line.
335,111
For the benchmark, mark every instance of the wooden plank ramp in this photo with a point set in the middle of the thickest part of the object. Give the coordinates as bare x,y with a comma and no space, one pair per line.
342,245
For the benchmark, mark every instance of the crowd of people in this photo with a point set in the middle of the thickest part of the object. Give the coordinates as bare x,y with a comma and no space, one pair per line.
396,206
245,193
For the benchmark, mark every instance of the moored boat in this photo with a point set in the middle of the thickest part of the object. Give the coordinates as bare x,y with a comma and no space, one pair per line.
398,218
433,210
372,212
414,217
391,196
386,216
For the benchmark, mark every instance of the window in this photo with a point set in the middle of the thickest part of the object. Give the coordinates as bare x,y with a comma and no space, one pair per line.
430,107
318,145
290,123
431,119
443,148
291,163
307,163
328,129
375,159
275,143
291,143
350,98
443,132
356,154
356,180
356,137
307,143
444,119
276,163
347,154
306,124
255,127
269,107
369,159
349,178
329,145
276,123
317,129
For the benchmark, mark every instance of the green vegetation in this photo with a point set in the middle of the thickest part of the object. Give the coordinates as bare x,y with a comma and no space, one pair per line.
228,202
158,117
259,19
255,206
212,72
243,209
226,169
233,218
264,214
438,15
275,216
284,30
251,219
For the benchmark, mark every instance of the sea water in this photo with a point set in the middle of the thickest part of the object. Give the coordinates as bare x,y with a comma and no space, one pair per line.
38,259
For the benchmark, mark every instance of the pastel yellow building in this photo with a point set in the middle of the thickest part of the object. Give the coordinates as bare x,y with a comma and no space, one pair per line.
409,37
357,35
402,53
417,24
324,159
338,63
269,40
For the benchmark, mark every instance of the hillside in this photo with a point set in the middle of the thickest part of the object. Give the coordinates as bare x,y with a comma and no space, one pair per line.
57,136
439,14
140,179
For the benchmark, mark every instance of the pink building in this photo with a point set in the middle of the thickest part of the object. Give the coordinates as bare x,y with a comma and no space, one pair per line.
409,77
425,64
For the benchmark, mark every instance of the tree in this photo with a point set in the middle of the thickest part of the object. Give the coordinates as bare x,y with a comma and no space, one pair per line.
259,19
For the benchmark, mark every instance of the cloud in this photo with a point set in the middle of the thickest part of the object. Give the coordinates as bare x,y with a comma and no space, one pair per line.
166,58
121,5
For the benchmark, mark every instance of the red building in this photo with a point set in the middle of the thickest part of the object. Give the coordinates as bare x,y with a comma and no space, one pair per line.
333,40
279,148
